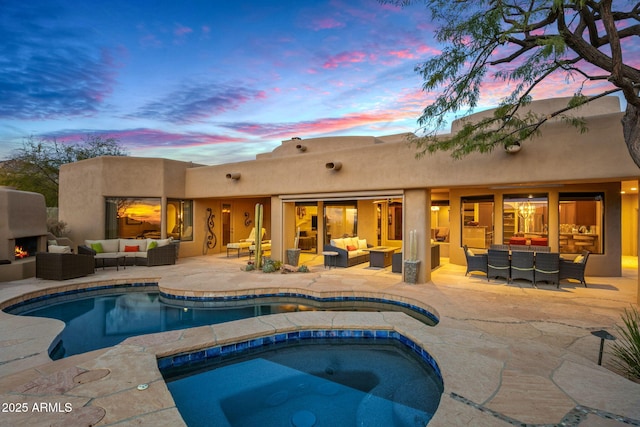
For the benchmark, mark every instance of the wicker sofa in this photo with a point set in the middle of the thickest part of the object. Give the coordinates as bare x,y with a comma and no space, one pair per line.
63,266
147,252
351,251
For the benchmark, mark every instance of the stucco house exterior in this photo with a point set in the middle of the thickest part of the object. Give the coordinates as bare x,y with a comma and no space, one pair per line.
562,186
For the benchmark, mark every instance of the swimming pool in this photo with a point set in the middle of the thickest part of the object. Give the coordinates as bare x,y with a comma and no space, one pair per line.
103,317
317,382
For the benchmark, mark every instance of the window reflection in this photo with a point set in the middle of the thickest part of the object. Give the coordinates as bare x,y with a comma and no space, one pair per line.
180,219
340,220
477,221
581,219
525,219
140,218
132,218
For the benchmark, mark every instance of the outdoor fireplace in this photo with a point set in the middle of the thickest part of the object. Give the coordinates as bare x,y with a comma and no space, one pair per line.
23,232
26,247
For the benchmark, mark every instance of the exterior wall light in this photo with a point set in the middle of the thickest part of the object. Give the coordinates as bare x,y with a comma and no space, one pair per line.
301,148
334,166
234,176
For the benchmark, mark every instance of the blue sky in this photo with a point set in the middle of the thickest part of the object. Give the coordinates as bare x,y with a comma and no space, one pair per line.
210,81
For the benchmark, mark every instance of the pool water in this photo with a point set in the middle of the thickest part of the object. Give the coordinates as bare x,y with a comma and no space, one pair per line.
311,384
104,318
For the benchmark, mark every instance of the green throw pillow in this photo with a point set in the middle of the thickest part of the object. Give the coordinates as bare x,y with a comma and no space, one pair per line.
97,247
152,245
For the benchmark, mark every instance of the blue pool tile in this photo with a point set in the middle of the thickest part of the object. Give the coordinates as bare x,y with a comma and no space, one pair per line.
197,356
180,359
213,352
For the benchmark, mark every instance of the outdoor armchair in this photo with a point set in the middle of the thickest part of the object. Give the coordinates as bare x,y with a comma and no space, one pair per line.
245,243
59,266
574,269
475,263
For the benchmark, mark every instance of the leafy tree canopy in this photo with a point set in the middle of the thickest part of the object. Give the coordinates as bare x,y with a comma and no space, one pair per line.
36,166
521,44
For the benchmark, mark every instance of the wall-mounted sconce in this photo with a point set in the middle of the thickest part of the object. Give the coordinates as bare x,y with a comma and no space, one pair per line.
334,166
234,176
301,148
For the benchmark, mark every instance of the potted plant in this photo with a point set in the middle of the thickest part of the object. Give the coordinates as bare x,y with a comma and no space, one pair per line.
293,254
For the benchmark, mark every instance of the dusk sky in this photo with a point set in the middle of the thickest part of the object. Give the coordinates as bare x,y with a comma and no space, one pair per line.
212,81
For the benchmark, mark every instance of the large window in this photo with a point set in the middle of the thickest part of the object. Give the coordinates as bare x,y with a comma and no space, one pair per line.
581,222
180,219
140,218
340,220
132,218
477,221
525,217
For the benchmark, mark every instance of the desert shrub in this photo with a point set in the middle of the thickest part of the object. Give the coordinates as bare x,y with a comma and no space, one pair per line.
269,265
303,269
626,349
57,228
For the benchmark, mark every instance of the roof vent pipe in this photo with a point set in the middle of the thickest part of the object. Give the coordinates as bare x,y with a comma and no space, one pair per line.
301,148
234,176
334,166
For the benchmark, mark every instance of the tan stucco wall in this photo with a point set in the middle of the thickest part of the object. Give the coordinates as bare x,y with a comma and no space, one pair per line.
630,224
85,184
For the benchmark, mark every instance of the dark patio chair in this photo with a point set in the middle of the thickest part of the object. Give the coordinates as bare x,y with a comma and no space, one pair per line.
522,266
541,248
574,269
475,263
520,248
547,268
57,266
497,247
498,264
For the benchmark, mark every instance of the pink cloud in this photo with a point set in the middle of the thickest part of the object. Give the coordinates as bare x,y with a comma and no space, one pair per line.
181,30
135,139
326,24
323,125
345,58
403,54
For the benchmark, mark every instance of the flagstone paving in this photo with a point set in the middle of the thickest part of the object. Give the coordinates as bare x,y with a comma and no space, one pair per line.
510,354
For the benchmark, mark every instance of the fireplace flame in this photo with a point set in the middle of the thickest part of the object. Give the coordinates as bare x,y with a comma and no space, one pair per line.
21,253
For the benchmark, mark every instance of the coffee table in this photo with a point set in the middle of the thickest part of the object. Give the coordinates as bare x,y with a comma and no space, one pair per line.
119,260
381,256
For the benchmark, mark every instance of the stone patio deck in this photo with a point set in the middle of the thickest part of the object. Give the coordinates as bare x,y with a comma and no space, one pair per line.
510,354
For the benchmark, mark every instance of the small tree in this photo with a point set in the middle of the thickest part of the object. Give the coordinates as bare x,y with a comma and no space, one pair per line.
523,44
36,166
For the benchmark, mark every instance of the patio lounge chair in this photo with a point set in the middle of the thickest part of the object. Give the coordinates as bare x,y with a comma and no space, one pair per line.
522,265
574,269
498,264
63,266
475,263
245,243
547,267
